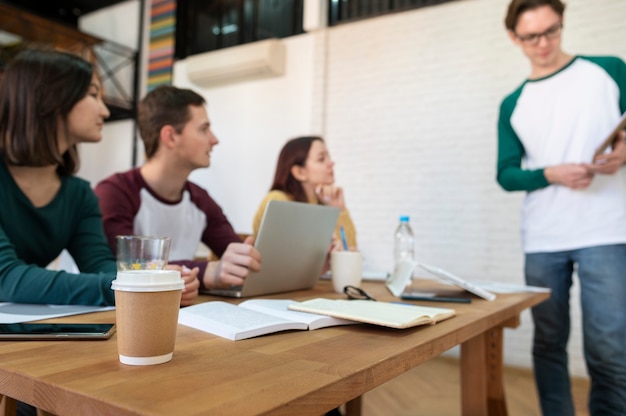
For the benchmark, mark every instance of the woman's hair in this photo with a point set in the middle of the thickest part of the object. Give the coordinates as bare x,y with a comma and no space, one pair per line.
517,7
37,91
293,153
163,106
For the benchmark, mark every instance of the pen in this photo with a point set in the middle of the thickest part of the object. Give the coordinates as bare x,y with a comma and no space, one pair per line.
343,238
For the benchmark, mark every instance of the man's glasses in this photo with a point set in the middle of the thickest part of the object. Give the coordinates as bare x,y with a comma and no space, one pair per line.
356,293
533,38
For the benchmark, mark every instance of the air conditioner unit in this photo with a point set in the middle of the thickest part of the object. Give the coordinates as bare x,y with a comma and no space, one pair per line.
261,59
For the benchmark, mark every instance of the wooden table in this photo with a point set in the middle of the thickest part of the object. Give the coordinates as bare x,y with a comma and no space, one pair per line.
296,372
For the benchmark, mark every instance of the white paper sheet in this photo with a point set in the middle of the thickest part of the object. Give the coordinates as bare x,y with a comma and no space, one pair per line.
11,313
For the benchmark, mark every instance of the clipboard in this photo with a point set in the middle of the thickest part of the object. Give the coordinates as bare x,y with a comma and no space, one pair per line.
610,139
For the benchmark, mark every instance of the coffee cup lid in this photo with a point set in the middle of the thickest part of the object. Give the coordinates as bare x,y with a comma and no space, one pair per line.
148,281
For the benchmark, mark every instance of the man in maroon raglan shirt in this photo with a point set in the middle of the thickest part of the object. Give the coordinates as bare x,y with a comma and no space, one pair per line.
158,199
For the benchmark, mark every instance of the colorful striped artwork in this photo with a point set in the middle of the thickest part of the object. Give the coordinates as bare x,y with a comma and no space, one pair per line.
162,38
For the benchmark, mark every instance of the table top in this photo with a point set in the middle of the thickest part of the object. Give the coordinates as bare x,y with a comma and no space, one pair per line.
304,372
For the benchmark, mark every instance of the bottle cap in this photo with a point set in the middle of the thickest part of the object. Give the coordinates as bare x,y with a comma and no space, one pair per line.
404,218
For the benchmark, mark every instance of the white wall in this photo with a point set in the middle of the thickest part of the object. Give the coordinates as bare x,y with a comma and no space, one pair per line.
408,105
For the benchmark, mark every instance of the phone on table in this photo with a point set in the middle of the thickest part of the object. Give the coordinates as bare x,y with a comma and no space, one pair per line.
56,331
435,297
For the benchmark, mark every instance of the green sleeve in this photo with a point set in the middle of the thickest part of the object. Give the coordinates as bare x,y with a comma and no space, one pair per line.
29,283
511,176
88,245
75,218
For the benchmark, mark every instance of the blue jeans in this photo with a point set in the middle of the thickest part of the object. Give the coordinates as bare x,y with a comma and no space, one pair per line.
602,275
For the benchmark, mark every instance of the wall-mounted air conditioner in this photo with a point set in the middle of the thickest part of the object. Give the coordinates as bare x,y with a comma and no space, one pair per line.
261,59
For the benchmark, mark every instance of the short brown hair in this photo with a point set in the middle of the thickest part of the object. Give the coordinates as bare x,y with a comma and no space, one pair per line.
39,88
517,7
164,106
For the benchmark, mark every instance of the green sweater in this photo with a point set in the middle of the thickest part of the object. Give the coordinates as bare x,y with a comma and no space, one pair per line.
31,238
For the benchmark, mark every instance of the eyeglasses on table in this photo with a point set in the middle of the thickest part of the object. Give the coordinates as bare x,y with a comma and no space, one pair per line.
356,293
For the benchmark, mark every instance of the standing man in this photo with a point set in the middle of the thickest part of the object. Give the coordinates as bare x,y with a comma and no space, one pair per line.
574,213
157,198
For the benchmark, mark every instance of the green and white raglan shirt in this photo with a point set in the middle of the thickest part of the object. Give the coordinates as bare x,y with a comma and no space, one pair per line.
563,118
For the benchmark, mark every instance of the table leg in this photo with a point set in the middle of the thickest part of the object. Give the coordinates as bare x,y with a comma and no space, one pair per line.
8,406
353,407
482,385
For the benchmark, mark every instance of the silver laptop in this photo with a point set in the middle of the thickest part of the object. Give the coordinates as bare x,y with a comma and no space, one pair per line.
293,240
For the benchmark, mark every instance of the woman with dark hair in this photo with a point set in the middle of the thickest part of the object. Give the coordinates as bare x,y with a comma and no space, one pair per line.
50,102
304,173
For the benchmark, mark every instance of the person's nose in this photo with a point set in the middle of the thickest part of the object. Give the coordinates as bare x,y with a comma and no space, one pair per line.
214,140
104,111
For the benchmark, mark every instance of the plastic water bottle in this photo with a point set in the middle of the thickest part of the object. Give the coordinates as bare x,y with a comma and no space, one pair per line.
404,243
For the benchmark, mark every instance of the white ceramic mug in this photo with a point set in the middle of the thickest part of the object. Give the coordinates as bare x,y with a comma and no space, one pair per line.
345,269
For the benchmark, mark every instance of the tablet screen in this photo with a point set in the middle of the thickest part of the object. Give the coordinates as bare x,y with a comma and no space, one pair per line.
62,331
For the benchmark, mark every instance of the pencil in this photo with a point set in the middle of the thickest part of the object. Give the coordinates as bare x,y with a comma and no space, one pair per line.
343,238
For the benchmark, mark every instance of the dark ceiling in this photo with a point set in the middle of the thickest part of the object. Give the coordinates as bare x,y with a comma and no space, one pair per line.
65,11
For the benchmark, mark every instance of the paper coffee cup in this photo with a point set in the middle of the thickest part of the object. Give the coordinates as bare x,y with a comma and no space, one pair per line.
146,313
345,269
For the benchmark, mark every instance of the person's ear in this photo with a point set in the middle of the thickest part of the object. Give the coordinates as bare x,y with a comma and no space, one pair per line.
298,172
168,136
513,37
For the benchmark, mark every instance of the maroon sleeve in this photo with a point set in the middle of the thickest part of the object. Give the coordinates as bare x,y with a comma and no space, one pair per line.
218,233
118,197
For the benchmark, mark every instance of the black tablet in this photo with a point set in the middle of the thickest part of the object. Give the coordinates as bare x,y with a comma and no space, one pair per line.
55,332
